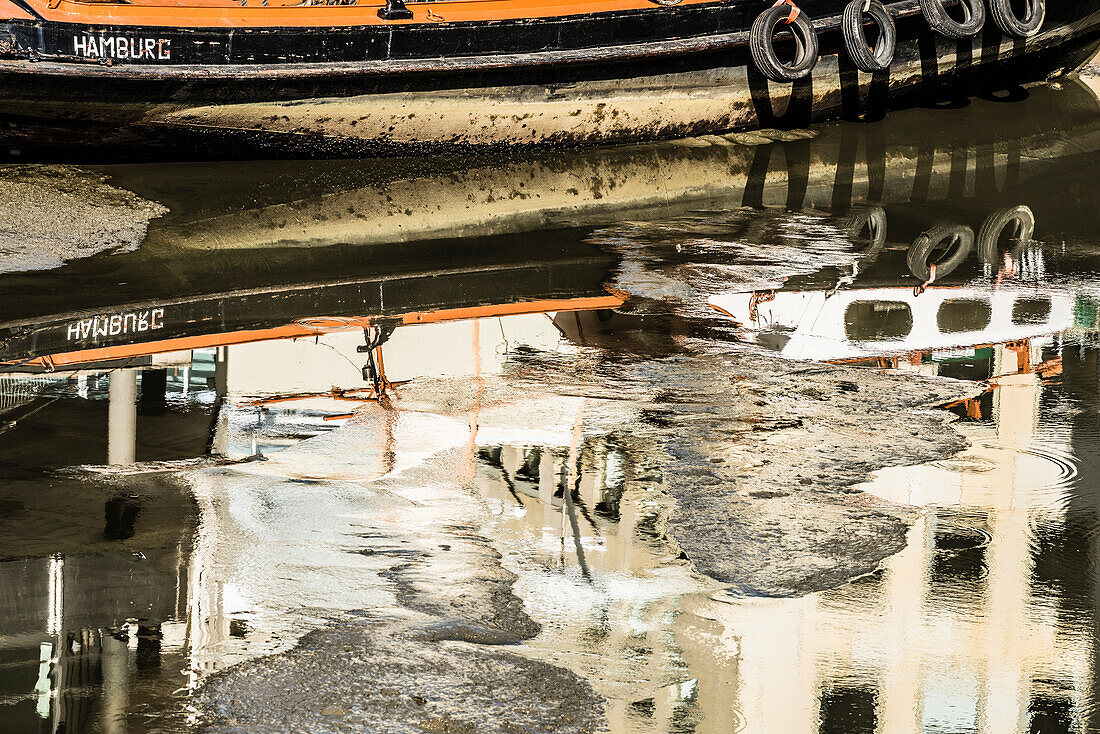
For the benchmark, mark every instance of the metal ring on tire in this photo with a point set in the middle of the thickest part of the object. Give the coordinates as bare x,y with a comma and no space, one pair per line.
936,15
989,236
922,248
762,44
1011,24
865,57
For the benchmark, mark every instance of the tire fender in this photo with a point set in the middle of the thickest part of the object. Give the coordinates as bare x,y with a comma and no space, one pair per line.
989,236
1014,26
762,44
961,237
935,13
865,57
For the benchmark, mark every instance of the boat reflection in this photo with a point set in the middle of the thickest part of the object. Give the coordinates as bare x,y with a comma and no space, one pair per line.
174,497
931,642
233,229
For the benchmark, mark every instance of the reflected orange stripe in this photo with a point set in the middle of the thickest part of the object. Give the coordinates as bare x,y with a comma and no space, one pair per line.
291,331
180,344
513,309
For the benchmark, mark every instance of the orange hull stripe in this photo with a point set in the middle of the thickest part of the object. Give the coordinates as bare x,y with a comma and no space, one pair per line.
226,15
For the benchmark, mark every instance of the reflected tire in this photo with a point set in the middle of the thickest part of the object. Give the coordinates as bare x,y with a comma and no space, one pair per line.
989,236
1012,25
872,220
762,45
936,15
960,237
863,56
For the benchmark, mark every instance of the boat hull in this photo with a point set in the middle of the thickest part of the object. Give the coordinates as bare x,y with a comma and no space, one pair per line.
663,89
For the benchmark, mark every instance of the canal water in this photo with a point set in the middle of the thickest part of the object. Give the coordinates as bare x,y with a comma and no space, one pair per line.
777,432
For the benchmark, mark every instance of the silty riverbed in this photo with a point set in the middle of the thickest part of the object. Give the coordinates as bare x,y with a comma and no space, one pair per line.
775,432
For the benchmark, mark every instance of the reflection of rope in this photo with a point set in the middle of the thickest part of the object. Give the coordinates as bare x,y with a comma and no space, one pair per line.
335,393
504,337
344,356
920,289
11,367
328,323
756,299
10,424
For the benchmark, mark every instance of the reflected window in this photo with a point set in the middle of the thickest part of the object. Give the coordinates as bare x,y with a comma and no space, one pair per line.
848,710
963,314
978,367
529,469
959,556
491,456
877,320
1031,311
1051,715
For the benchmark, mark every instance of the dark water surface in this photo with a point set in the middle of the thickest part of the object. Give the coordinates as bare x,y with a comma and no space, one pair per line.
196,469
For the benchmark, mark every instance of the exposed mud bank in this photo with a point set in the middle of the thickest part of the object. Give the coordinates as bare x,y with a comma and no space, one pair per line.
436,661
767,502
762,455
40,232
383,676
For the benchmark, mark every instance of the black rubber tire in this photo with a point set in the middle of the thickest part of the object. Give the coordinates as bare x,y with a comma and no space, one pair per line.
1011,25
855,39
989,236
936,15
922,247
762,46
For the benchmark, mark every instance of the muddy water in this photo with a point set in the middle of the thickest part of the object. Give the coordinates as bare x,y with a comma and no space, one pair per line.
794,433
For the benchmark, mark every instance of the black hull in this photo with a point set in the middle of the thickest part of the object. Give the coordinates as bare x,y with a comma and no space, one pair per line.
537,69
